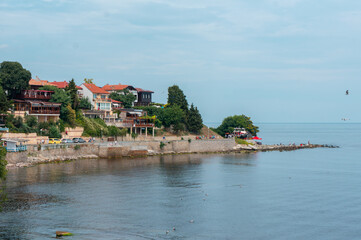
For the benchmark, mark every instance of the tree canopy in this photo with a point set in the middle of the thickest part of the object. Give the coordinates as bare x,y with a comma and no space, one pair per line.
5,104
241,121
177,97
73,92
85,103
14,78
88,80
194,120
124,96
173,115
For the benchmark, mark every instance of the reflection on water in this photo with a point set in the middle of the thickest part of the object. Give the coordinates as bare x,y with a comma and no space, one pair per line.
91,196
308,194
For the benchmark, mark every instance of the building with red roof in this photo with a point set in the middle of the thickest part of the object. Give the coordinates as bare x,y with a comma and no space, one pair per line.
61,85
98,97
121,87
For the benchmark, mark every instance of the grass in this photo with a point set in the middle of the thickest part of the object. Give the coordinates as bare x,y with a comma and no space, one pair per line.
242,141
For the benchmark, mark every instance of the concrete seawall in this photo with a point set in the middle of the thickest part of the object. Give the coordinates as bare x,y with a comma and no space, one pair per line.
51,153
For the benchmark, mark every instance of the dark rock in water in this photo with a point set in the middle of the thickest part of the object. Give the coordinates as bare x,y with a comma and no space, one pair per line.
61,234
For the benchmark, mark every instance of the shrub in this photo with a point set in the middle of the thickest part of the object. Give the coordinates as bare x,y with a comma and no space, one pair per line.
161,145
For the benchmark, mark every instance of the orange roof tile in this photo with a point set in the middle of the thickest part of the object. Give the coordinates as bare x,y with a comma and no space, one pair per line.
94,89
115,101
36,82
142,90
118,87
62,85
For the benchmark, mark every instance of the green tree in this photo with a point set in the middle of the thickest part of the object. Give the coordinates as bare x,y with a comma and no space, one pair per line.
60,96
88,80
85,103
3,162
240,121
123,132
177,97
124,96
31,121
114,131
172,116
54,132
69,115
14,78
4,103
194,121
73,93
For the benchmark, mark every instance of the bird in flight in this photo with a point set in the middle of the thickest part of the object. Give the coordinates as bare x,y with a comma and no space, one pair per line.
346,92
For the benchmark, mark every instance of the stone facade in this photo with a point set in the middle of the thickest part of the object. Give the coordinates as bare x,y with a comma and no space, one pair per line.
48,153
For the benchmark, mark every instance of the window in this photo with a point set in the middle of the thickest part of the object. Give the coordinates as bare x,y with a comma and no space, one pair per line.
94,96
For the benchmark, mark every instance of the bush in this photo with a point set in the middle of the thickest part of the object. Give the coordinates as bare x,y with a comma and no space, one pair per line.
161,145
31,121
235,121
54,132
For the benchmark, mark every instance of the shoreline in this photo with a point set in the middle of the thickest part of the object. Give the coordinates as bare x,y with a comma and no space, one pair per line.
62,153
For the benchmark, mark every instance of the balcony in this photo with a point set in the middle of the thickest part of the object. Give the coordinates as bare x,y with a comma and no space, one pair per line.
35,94
127,123
44,111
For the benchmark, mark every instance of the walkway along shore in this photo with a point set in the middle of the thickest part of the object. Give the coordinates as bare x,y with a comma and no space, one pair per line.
37,154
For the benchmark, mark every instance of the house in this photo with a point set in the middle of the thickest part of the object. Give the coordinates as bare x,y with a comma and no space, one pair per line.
136,120
144,97
99,99
116,105
35,84
14,145
36,103
64,84
42,110
120,87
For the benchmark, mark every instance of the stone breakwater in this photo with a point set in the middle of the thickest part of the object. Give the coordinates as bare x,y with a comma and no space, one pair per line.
56,153
279,147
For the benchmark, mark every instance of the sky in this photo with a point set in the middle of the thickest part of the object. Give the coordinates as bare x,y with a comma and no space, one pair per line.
272,60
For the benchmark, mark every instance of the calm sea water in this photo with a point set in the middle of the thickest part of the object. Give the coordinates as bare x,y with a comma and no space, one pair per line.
305,194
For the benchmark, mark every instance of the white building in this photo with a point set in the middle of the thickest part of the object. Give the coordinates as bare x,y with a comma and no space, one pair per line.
98,97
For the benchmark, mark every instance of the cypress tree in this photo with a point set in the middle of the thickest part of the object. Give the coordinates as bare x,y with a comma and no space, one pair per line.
194,120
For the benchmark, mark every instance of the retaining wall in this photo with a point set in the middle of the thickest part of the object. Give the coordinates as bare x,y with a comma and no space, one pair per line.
49,153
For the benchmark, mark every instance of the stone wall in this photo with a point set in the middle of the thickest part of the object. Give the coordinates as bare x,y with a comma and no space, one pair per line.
47,153
32,138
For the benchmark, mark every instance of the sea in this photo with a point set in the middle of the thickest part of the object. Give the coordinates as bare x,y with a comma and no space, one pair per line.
302,194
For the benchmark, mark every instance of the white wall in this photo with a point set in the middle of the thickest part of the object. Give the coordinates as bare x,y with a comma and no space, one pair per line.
88,94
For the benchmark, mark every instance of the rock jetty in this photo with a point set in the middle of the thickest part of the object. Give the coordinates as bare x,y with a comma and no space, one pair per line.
278,147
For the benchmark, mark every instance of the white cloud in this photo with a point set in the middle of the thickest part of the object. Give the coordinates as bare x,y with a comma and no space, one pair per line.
3,46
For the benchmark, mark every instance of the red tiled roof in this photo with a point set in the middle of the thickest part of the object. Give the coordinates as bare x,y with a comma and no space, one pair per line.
115,101
94,89
62,85
118,87
142,90
38,82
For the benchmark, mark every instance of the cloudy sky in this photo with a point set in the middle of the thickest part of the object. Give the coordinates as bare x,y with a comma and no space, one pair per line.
274,60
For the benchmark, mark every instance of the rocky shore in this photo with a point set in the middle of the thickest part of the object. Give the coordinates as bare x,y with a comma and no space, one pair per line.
60,153
278,147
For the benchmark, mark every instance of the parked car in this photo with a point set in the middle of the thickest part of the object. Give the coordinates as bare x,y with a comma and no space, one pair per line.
78,140
54,141
66,140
